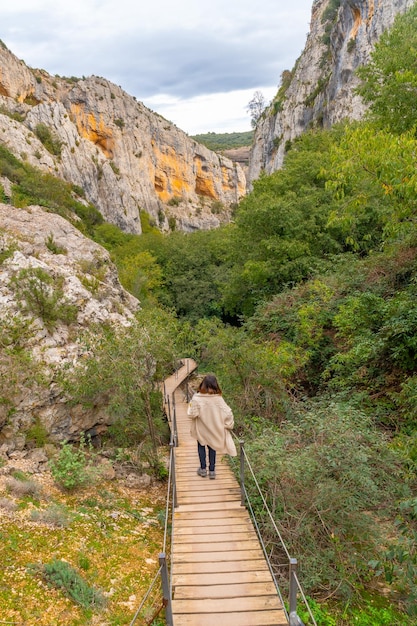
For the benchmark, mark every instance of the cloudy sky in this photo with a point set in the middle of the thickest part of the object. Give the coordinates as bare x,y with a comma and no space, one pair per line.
196,63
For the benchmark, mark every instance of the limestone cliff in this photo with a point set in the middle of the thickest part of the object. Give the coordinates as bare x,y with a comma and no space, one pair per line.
41,254
319,91
124,156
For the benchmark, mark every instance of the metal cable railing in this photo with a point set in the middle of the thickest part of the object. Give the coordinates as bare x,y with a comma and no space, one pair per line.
268,546
146,614
291,582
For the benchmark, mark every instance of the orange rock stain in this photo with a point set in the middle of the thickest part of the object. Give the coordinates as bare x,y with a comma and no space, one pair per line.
357,22
371,10
93,129
171,175
204,184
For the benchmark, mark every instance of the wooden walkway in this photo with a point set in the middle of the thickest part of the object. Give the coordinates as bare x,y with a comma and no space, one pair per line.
219,572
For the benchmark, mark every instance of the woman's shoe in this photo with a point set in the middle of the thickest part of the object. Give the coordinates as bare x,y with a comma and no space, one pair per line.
212,474
202,472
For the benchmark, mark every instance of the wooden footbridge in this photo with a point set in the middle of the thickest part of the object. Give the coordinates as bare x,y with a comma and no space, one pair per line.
218,569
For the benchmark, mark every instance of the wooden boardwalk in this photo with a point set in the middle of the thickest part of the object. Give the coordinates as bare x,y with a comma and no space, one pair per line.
219,572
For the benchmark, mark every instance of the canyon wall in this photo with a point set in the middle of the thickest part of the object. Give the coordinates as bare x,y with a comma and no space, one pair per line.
320,90
126,158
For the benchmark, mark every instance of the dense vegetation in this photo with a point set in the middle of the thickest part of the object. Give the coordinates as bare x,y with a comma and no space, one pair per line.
305,306
224,141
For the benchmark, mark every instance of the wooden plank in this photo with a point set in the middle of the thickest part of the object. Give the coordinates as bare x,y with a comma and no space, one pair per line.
226,605
223,488
209,493
210,506
213,567
217,546
209,489
194,528
253,618
231,590
232,535
196,482
230,516
252,576
202,557
203,499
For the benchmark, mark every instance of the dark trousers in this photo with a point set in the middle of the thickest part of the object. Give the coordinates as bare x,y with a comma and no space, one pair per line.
202,457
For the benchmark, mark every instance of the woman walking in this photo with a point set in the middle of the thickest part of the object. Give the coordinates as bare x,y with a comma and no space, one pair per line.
212,421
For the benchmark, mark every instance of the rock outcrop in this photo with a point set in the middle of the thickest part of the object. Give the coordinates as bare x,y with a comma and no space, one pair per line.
319,91
125,157
56,255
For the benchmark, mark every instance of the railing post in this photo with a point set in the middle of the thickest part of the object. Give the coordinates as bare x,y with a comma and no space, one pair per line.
293,617
174,410
242,472
169,409
293,586
173,475
165,589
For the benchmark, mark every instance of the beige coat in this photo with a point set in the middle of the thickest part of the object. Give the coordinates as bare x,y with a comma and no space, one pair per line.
212,421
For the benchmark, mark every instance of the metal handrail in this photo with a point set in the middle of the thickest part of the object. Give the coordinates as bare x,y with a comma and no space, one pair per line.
163,572
294,583
295,587
142,604
171,503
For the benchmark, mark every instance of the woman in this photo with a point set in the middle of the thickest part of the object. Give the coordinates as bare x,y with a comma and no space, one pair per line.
211,425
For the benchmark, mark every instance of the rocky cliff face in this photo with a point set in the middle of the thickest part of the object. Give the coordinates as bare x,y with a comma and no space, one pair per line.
320,89
125,157
44,248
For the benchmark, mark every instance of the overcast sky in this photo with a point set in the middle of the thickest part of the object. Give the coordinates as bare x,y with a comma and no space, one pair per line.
196,63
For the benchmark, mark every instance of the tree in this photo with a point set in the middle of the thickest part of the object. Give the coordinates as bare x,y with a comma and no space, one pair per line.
122,370
256,107
279,233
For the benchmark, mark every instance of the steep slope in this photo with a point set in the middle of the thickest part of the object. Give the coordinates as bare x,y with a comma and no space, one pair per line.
319,91
54,285
125,157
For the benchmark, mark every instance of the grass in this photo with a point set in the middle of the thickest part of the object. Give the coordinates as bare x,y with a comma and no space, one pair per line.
114,551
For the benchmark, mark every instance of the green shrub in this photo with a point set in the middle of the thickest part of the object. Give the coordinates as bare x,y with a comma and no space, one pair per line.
54,515
14,116
217,207
83,562
6,252
62,575
330,481
172,223
72,469
398,562
37,434
147,223
48,139
42,295
125,368
351,45
21,488
53,246
31,186
114,168
8,505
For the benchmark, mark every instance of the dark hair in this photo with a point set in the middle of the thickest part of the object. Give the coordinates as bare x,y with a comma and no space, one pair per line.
209,384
